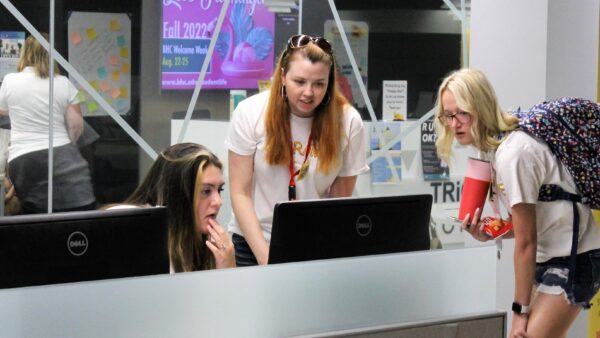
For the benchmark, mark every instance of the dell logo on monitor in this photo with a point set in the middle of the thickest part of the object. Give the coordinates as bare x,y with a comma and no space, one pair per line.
363,225
77,243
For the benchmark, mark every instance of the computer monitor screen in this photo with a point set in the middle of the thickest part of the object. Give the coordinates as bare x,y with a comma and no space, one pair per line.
347,227
81,246
244,50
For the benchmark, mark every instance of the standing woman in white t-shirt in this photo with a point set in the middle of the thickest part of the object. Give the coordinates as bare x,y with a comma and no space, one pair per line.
300,140
544,305
24,96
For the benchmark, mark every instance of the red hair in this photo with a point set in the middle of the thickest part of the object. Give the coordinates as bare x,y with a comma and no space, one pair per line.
327,128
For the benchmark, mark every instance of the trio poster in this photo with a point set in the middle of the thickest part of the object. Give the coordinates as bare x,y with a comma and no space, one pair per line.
100,50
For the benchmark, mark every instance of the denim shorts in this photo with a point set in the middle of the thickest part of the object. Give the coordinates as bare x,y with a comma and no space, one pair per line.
551,277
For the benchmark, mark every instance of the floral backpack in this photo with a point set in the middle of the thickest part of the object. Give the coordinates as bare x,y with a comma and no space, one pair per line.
571,128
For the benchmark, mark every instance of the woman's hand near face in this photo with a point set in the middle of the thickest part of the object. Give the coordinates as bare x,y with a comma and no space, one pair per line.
220,245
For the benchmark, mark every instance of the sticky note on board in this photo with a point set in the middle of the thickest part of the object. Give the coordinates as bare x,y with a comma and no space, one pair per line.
104,86
114,60
94,84
124,92
81,96
125,68
114,93
91,33
115,75
115,25
121,40
92,106
121,105
124,52
75,38
102,73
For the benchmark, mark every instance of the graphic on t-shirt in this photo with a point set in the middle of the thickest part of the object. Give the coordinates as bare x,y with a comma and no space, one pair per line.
300,150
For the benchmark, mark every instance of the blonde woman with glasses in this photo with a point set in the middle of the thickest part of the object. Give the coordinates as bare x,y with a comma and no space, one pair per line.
544,304
300,140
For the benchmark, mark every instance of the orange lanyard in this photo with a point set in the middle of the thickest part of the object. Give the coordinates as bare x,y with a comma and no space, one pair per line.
293,174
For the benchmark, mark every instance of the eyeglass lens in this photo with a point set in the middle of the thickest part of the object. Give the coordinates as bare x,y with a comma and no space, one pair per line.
461,117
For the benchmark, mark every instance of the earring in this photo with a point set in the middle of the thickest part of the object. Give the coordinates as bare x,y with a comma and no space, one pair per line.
283,93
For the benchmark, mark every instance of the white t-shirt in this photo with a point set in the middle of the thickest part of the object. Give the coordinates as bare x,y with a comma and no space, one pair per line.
270,184
26,98
523,163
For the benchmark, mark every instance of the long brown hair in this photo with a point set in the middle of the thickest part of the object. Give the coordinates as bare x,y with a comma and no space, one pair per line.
327,127
36,56
175,181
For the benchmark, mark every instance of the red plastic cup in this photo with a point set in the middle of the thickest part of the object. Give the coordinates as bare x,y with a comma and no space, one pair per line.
475,187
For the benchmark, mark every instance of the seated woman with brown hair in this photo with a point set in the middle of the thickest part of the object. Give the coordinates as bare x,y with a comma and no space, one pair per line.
188,179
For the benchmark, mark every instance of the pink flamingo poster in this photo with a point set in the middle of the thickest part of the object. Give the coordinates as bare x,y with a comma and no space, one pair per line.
243,54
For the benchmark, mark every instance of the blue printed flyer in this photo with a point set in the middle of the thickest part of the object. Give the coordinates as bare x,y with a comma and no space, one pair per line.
381,172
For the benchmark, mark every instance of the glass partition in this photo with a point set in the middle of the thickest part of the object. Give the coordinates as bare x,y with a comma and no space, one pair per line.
308,298
135,66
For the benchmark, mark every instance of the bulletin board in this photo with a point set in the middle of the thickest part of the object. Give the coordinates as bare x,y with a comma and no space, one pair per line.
100,50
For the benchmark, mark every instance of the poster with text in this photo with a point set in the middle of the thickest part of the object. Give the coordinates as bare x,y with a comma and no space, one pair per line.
394,100
357,33
100,50
10,51
243,53
434,169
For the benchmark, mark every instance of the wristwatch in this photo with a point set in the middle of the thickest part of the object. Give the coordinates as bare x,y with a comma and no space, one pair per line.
520,309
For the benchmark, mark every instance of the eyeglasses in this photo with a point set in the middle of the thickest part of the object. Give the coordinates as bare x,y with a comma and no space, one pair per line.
461,117
300,41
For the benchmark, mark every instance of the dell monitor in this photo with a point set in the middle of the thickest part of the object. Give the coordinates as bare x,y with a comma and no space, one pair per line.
82,246
347,227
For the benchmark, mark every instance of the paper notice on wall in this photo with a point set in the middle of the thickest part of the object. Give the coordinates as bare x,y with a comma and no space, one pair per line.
99,49
394,100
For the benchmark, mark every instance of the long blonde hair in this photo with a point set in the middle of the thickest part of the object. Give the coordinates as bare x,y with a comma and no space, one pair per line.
175,181
327,128
473,94
36,56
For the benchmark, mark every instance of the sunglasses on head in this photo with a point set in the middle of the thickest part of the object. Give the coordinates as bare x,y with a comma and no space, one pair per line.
300,41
